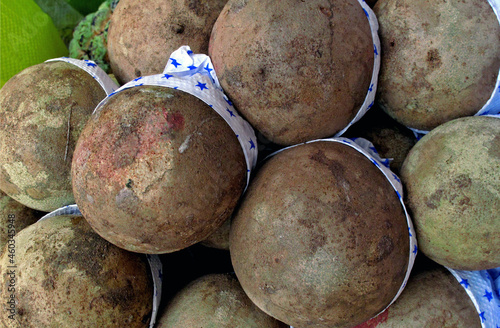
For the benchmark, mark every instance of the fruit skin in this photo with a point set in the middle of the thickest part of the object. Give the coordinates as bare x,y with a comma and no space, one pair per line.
157,170
432,298
297,71
320,239
67,276
143,34
38,107
452,180
215,301
440,60
14,217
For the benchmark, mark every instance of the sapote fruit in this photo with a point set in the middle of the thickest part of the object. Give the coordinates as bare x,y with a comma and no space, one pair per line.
432,298
440,59
143,34
321,238
452,181
157,170
43,109
296,70
215,301
14,217
67,276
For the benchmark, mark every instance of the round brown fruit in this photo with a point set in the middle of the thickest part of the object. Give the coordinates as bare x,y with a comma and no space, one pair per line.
67,276
157,170
321,238
215,300
296,70
440,59
432,298
14,217
452,180
43,110
143,34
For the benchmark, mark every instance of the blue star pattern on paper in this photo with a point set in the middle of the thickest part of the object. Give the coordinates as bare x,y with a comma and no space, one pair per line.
137,79
228,101
192,67
488,295
252,144
208,69
481,315
465,283
375,50
201,85
167,76
175,63
409,231
89,63
415,249
231,114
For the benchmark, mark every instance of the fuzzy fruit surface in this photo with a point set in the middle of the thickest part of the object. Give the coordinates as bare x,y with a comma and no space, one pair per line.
67,276
296,70
440,59
157,170
43,110
453,182
321,238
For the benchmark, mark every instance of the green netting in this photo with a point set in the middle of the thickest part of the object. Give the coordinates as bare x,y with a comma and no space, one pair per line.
27,37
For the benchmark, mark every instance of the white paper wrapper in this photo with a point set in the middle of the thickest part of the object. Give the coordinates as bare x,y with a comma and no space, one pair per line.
370,95
194,74
95,71
366,148
492,106
483,287
153,260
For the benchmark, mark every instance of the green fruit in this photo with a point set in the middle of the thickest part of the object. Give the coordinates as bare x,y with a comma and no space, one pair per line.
43,109
214,301
66,276
452,177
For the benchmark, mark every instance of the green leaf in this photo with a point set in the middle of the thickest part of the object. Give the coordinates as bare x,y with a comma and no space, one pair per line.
63,15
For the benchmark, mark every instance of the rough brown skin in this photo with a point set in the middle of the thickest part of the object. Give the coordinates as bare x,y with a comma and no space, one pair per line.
220,238
67,276
14,217
297,70
391,139
452,181
143,34
215,301
320,239
157,170
440,60
37,107
432,298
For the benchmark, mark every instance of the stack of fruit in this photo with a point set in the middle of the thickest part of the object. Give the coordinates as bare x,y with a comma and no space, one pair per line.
230,159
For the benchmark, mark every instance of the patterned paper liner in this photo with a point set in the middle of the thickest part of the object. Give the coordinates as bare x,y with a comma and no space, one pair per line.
194,74
492,106
95,71
154,261
370,95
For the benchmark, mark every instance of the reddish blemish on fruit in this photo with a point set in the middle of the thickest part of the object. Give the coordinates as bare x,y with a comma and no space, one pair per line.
175,121
374,322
